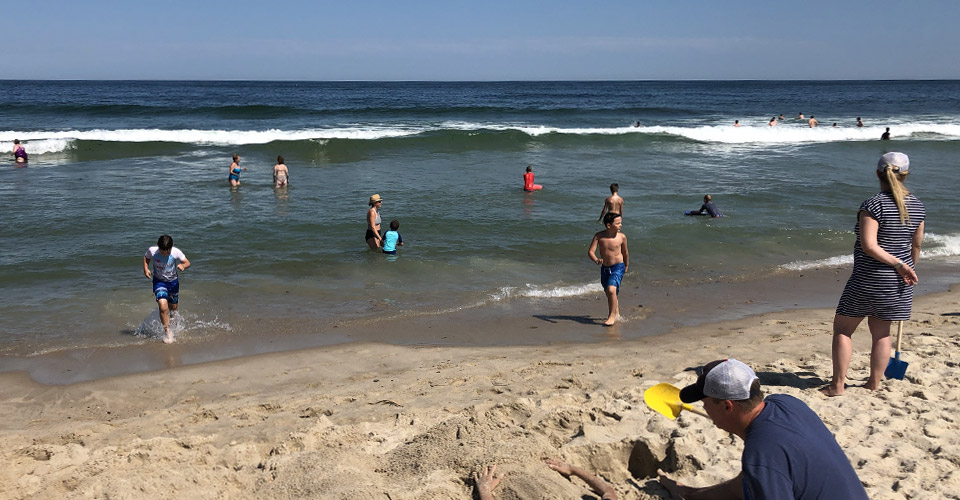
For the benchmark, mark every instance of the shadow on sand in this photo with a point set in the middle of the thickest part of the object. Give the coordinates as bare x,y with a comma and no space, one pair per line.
583,320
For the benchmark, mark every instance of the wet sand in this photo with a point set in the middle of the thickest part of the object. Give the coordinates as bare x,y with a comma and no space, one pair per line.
649,310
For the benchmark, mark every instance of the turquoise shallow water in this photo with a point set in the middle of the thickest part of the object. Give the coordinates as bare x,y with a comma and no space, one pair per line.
116,164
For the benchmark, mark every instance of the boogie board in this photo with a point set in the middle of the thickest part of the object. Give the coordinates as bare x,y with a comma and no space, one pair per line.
694,212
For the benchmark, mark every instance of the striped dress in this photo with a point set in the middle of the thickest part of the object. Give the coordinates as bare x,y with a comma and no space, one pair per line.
875,289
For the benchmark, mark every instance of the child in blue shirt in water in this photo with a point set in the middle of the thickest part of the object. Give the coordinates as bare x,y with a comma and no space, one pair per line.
162,264
392,239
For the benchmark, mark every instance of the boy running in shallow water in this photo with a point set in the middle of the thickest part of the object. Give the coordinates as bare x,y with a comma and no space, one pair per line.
614,260
165,260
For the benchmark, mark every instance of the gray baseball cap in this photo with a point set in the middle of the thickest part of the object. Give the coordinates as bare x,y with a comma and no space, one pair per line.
721,379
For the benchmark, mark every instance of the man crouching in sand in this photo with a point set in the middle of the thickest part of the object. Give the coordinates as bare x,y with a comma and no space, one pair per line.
788,453
614,260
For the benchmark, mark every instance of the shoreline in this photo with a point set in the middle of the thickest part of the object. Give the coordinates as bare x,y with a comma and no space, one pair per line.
650,311
366,420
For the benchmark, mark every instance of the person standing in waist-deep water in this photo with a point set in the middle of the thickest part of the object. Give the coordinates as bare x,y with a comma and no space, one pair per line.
889,235
281,175
19,152
235,169
886,135
161,264
614,260
613,203
859,122
373,237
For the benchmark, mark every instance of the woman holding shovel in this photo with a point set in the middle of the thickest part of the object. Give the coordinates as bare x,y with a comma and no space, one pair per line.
889,234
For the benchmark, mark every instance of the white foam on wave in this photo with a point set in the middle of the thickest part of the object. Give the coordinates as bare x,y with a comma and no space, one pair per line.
935,245
535,131
43,146
800,265
542,292
728,134
800,134
39,142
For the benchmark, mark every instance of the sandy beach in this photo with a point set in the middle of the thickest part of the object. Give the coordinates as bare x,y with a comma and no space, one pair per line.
369,420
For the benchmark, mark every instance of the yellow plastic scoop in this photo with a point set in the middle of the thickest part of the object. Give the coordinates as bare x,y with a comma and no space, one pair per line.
665,400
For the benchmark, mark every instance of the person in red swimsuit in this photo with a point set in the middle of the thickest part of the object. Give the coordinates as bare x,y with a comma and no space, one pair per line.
528,184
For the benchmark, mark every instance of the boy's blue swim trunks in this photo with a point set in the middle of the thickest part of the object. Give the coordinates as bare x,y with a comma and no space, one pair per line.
169,290
612,275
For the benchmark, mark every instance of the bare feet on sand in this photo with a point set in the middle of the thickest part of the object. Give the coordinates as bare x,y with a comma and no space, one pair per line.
612,320
831,390
873,387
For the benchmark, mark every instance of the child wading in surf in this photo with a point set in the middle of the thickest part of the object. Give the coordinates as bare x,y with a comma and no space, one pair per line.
614,260
613,203
392,238
165,260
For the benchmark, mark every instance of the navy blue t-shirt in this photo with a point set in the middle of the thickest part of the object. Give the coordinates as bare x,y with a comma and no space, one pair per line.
789,453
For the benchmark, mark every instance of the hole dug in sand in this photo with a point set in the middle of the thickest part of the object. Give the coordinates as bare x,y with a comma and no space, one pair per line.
643,463
646,458
640,458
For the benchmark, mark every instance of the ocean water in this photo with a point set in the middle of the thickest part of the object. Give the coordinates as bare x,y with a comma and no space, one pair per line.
115,164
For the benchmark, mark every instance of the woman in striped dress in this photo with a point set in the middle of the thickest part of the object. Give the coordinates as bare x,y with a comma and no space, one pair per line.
889,233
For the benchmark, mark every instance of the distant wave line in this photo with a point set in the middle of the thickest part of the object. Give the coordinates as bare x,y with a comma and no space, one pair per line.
40,142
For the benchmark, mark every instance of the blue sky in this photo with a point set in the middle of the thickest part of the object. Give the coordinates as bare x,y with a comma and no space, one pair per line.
492,40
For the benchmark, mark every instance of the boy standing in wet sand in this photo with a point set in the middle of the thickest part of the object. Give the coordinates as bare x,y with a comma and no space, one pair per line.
165,260
613,203
614,260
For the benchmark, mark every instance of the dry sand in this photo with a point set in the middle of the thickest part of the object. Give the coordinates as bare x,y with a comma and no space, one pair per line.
386,422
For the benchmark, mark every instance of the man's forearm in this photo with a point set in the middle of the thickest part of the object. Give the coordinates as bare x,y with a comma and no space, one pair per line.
597,484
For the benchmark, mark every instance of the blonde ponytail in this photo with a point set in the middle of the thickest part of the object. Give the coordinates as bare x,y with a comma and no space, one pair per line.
894,179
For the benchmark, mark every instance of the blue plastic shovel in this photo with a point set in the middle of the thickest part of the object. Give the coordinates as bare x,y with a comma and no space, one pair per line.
896,368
